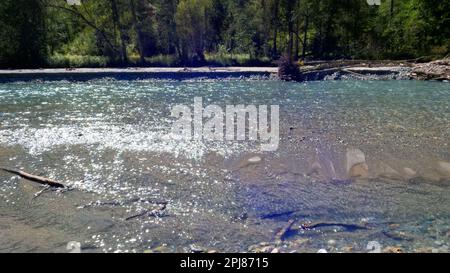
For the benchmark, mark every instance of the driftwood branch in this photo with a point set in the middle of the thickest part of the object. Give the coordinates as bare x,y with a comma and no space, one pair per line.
39,193
150,213
314,225
35,178
354,73
282,233
118,203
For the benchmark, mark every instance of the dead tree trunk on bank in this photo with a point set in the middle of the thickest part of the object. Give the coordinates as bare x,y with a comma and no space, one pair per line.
275,22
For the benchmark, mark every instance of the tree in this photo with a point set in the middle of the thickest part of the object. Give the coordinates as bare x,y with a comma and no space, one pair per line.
289,7
118,25
192,27
166,25
22,35
275,20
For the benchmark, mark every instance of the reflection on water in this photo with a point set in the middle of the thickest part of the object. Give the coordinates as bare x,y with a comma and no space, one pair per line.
365,161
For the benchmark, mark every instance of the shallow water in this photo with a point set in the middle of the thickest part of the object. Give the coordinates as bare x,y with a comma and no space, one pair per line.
106,139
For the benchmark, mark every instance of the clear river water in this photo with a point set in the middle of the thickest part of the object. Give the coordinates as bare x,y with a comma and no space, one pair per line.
105,139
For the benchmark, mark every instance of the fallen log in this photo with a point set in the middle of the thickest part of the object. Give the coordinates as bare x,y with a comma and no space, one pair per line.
354,73
35,178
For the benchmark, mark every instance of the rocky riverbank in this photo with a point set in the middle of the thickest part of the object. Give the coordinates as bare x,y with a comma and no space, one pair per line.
381,70
310,71
366,70
437,70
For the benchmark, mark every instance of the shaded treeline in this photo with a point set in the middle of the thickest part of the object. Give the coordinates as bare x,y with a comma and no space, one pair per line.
195,32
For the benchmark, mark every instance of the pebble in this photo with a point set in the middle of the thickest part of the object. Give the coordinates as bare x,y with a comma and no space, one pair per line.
255,159
74,247
159,249
299,242
261,248
393,249
424,250
347,249
196,249
266,249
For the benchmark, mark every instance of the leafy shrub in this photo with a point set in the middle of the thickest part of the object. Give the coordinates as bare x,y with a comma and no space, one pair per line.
76,61
162,61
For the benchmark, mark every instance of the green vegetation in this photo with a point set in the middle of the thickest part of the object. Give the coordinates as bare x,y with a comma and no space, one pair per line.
99,33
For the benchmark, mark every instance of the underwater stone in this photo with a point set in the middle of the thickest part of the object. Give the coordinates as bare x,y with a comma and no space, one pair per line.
356,163
444,168
255,159
410,173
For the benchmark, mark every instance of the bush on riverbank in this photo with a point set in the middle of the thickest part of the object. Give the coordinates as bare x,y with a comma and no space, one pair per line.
220,60
77,61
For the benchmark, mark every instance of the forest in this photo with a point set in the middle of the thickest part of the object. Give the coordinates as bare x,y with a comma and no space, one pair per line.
103,33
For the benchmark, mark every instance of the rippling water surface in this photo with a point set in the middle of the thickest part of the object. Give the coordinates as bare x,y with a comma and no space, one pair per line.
106,139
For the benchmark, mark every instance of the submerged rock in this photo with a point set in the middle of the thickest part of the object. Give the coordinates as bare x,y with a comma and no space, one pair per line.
424,250
255,159
444,168
410,173
159,249
261,248
322,170
246,161
356,164
359,170
315,169
197,249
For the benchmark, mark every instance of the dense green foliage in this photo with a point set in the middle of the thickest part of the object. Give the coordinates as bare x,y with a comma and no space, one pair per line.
222,32
22,33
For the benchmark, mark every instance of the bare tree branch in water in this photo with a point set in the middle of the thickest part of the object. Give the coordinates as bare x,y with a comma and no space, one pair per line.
35,178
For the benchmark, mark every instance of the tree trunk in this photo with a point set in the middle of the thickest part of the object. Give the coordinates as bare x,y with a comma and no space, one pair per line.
289,15
275,28
297,41
116,21
392,8
138,29
297,31
305,37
